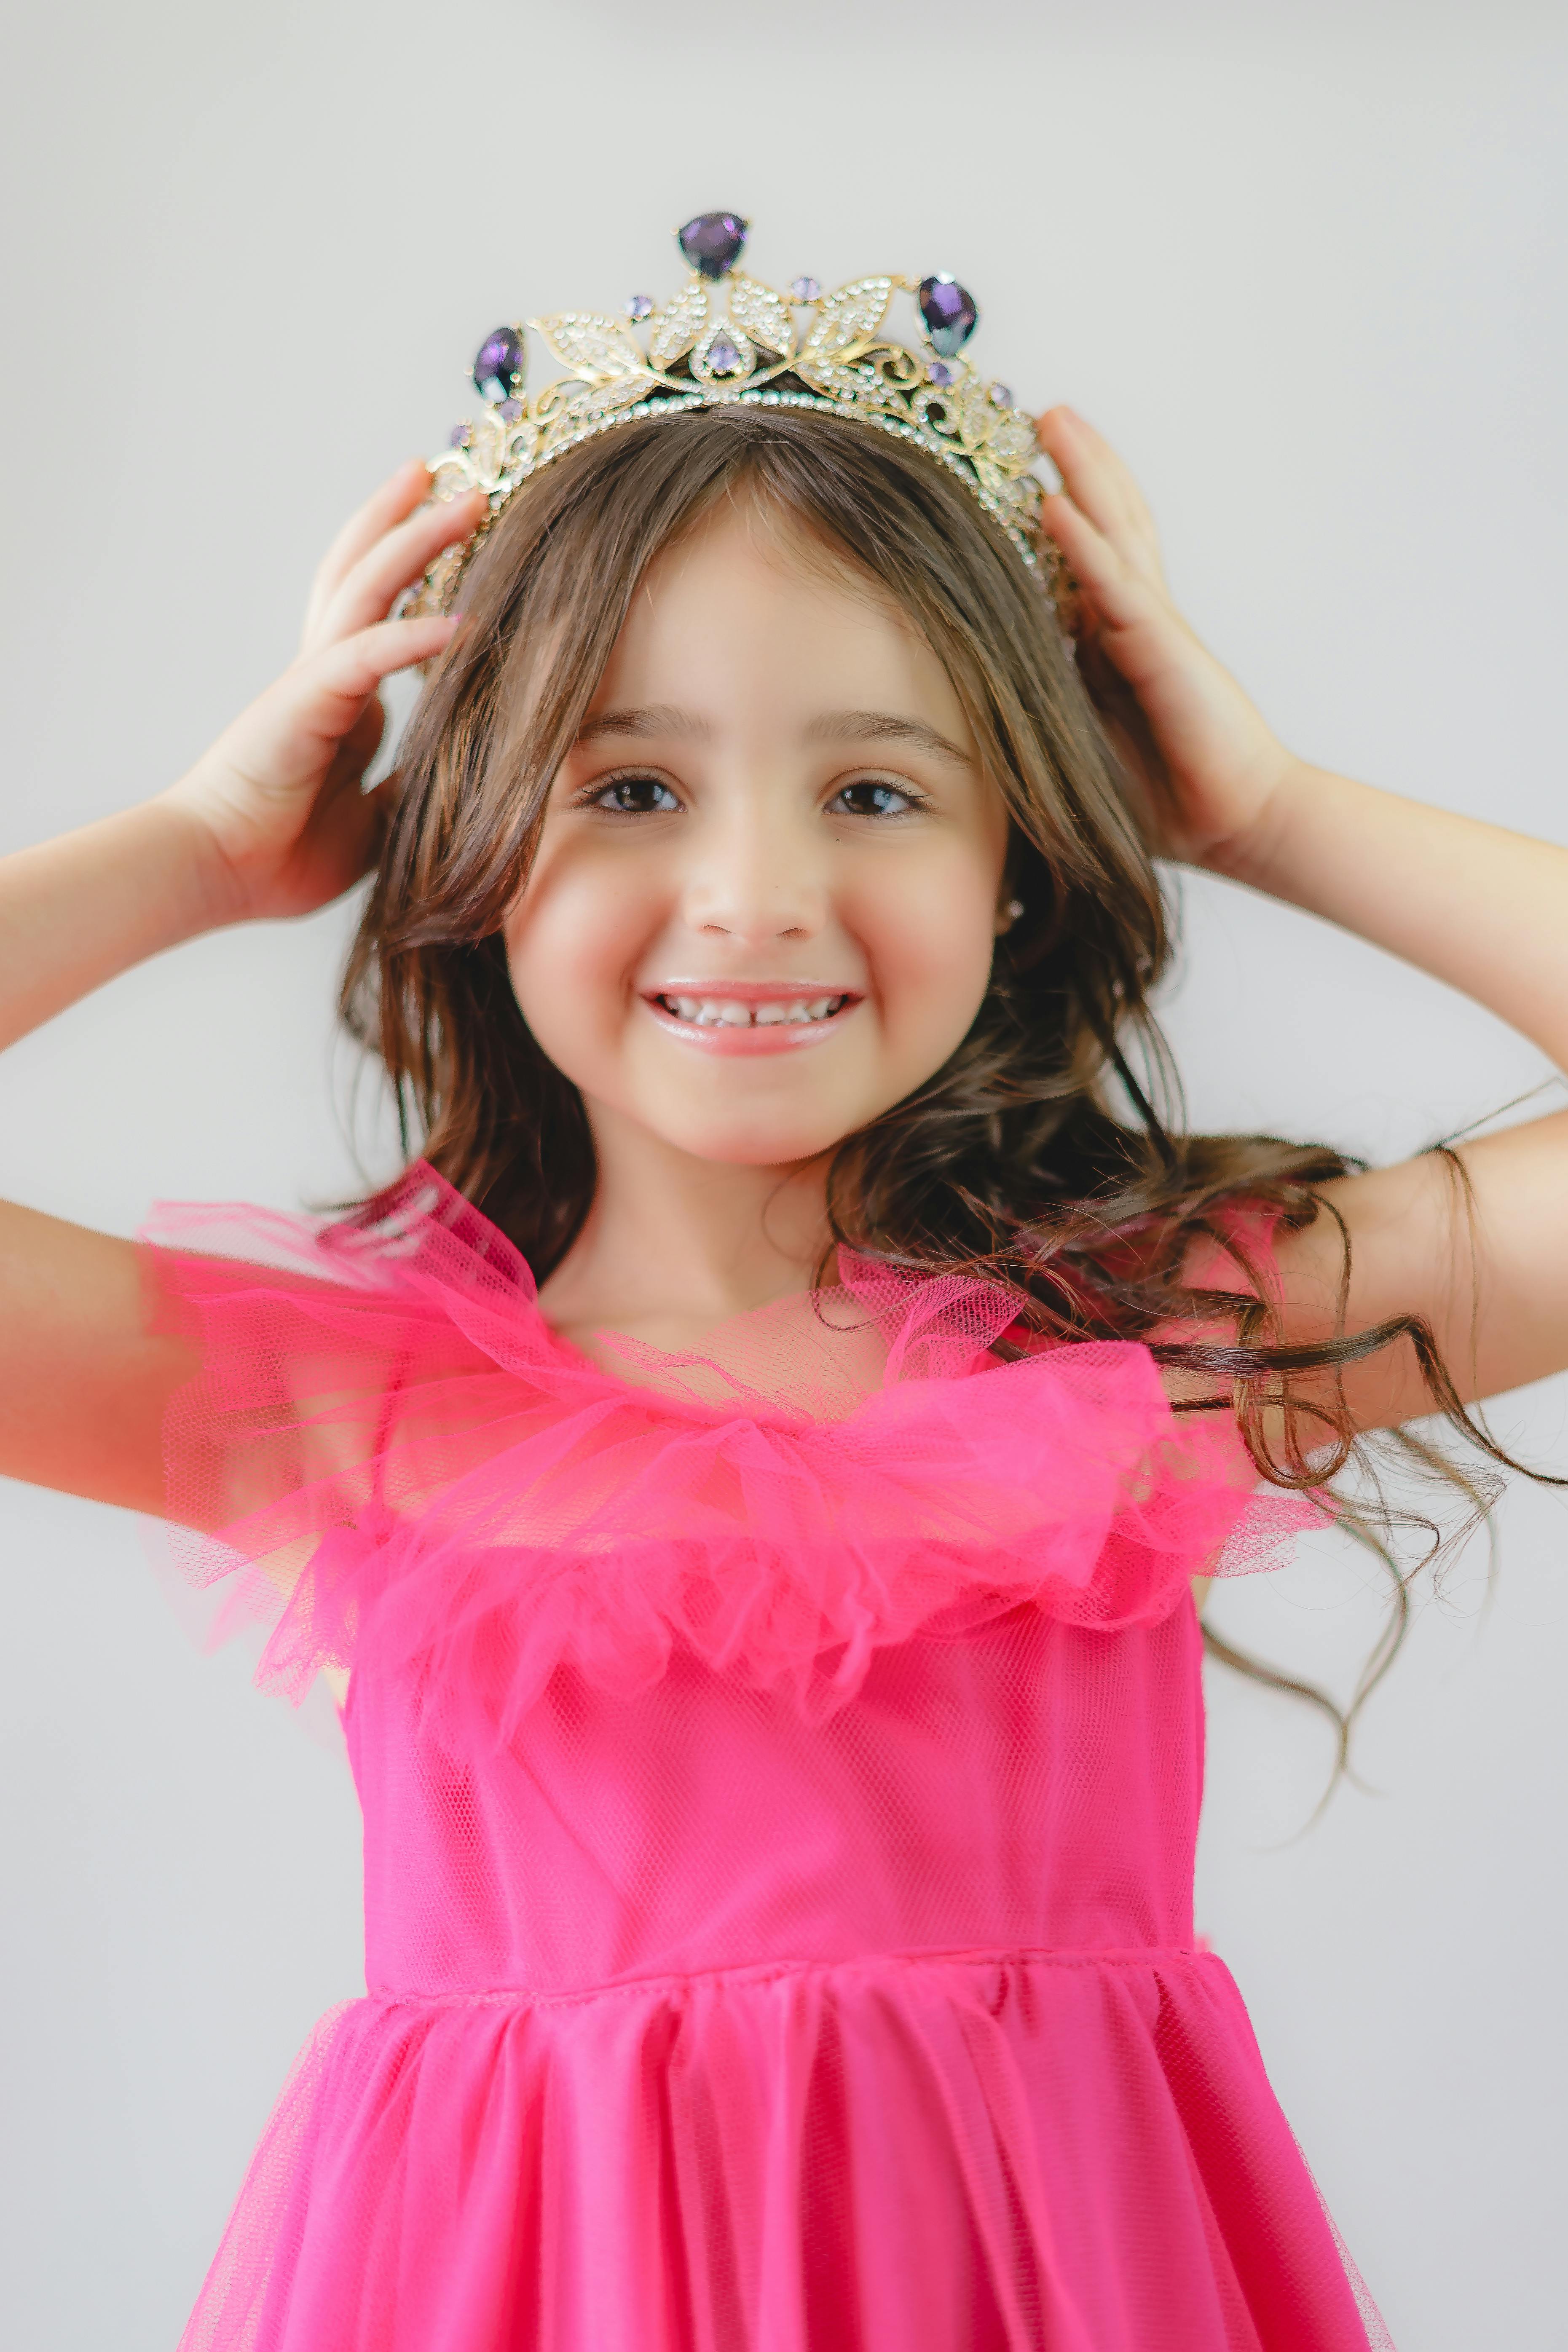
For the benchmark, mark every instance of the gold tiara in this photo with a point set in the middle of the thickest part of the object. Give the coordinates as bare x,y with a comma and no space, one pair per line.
803,349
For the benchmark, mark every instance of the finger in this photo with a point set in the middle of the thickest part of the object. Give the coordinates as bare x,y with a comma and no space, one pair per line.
296,729
382,800
1099,485
349,826
1086,453
343,811
397,497
1119,590
364,818
396,562
292,738
359,747
347,672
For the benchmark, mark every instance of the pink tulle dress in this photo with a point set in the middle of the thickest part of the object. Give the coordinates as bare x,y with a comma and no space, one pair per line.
780,1769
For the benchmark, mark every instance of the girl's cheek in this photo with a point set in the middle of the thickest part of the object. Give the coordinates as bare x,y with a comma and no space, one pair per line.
932,948
571,945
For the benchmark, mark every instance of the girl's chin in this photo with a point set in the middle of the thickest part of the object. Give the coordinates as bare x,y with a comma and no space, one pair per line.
748,1136
726,1147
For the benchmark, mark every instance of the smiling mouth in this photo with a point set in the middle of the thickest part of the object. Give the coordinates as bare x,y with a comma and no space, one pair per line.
732,1013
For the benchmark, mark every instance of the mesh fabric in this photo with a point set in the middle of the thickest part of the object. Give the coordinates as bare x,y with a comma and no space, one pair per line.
781,1766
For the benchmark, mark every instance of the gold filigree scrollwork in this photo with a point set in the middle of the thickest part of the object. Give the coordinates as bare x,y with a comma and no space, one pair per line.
835,345
846,324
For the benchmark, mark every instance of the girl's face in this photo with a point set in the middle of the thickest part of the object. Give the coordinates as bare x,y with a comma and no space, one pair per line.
765,898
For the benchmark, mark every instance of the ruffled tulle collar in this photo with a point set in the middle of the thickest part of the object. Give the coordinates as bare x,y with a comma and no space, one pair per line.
814,1355
391,1456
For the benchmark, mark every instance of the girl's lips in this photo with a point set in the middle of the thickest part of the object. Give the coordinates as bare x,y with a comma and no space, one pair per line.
776,1026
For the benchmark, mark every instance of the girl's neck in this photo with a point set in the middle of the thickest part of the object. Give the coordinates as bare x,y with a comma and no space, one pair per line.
674,1244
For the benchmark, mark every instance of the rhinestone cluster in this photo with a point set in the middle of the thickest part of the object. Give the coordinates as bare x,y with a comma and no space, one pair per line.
804,349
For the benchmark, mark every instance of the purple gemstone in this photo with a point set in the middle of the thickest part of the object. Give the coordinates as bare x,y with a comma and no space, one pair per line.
722,356
640,306
461,436
805,290
498,365
940,372
510,410
1001,395
950,313
712,242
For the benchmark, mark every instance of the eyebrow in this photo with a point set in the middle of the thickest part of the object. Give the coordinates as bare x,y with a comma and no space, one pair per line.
653,719
882,727
663,719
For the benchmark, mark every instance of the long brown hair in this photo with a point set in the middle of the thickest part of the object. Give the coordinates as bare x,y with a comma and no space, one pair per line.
1048,1152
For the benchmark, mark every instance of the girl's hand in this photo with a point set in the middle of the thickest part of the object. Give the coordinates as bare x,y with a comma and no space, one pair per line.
1206,758
283,824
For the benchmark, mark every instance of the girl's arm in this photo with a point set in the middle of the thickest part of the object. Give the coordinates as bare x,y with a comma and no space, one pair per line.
1481,909
1487,911
271,822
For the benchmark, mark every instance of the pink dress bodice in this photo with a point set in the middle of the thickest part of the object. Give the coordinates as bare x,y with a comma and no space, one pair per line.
966,1800
779,1819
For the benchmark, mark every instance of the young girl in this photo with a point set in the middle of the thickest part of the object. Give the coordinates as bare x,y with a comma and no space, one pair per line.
748,1479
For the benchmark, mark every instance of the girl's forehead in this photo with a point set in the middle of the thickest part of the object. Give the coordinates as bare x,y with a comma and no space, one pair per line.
743,610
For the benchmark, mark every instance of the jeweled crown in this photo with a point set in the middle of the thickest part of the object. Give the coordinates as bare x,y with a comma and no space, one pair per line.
803,349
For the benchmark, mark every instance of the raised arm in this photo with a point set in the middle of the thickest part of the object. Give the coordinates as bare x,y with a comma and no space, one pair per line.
1484,909
271,822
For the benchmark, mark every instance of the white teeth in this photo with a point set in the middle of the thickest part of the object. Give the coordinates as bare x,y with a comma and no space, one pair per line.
727,1012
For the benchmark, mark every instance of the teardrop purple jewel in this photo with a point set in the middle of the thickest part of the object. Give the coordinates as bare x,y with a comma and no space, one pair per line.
949,312
713,242
499,366
722,356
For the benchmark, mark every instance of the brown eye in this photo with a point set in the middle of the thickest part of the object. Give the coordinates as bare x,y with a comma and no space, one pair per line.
871,799
635,796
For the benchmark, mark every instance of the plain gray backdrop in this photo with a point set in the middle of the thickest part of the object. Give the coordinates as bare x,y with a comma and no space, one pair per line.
1302,264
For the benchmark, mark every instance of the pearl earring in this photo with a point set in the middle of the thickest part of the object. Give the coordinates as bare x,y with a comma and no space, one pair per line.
1009,914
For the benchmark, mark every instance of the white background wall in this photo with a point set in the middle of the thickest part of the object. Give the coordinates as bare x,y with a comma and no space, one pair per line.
1303,265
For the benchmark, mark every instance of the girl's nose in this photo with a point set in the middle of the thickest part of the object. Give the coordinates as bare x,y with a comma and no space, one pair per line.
756,882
